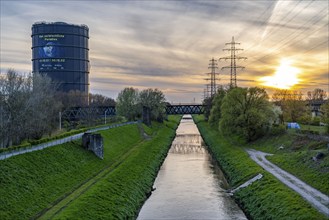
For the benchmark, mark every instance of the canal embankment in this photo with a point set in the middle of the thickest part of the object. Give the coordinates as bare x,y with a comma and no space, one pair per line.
34,183
190,185
266,198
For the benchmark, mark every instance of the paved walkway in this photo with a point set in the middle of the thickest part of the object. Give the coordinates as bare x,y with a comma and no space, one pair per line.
42,146
319,200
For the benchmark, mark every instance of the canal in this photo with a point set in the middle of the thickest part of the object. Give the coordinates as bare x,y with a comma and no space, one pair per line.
189,184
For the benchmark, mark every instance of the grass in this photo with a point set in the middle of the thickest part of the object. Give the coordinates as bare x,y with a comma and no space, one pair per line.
320,129
296,157
33,182
267,198
121,193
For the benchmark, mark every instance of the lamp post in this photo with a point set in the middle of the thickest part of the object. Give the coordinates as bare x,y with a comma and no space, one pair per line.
60,120
105,116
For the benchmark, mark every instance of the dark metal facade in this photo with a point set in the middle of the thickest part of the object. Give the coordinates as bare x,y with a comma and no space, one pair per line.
61,51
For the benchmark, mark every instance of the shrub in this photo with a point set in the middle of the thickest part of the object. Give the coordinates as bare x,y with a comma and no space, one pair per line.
278,129
315,121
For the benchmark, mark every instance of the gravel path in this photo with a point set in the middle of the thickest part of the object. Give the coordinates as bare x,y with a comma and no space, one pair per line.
319,200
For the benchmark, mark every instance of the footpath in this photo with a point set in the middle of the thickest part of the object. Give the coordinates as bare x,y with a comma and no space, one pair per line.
317,199
42,146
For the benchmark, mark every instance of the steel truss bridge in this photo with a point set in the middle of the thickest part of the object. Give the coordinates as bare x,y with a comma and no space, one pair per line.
81,113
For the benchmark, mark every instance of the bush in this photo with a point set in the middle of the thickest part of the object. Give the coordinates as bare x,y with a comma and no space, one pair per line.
315,121
309,132
12,148
305,119
278,129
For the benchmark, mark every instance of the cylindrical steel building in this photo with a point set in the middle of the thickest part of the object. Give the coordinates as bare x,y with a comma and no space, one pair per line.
61,51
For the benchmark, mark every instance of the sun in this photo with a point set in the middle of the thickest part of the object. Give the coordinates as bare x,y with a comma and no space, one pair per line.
284,77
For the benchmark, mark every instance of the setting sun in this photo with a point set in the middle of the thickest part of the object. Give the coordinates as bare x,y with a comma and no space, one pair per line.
285,76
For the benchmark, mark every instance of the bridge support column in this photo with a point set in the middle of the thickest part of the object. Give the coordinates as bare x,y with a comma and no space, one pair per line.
146,116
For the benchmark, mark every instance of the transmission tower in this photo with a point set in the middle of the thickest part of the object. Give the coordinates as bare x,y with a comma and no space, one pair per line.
233,59
212,86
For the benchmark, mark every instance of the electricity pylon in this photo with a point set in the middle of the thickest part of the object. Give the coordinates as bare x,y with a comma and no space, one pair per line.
213,86
233,59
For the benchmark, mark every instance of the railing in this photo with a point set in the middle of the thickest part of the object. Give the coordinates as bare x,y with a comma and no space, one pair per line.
42,146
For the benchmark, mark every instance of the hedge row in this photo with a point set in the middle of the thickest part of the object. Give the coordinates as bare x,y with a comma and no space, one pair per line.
30,143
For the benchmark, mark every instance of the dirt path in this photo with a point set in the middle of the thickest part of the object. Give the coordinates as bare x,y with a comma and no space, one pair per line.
317,199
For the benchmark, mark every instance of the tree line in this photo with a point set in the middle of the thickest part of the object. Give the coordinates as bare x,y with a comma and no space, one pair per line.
249,113
131,101
30,106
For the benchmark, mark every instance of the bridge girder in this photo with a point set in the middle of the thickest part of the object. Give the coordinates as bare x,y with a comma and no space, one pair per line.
80,113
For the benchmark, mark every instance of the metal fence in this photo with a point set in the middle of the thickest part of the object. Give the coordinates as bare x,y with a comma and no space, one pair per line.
42,146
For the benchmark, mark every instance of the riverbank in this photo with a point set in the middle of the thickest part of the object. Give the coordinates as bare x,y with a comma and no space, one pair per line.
33,183
267,198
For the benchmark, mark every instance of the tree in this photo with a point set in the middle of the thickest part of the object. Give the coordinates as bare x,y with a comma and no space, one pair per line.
207,102
316,95
246,112
42,107
325,115
100,100
292,104
155,101
73,98
28,108
215,112
14,92
127,103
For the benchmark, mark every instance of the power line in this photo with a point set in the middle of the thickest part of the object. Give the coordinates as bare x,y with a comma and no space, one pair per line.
233,59
291,35
211,88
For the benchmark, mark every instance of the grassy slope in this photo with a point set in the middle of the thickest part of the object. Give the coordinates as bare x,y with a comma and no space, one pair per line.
296,157
122,192
31,182
267,198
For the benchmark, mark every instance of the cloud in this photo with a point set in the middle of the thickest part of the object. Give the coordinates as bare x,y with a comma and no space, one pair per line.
167,44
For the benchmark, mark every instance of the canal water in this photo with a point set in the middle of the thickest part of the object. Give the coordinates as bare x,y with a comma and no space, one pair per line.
189,184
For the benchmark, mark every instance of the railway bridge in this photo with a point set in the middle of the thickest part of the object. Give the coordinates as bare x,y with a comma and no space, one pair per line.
81,113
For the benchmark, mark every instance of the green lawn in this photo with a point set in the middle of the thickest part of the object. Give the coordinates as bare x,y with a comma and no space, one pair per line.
121,193
33,182
320,129
296,157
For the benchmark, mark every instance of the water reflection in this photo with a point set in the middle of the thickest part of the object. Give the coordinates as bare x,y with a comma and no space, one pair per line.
189,185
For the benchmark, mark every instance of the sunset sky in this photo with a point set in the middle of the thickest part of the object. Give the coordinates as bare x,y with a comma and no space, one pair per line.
168,44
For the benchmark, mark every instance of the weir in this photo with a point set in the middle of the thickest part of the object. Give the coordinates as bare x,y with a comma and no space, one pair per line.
189,184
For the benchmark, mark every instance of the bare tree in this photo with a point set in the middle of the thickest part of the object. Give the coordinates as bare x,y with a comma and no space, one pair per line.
100,100
27,107
316,95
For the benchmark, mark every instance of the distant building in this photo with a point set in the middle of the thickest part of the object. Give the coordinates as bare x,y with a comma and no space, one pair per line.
61,51
315,106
